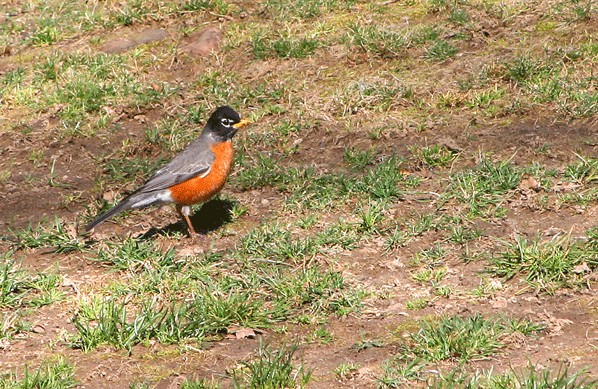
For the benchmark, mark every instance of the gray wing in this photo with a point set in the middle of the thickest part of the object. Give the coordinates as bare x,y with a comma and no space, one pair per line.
193,161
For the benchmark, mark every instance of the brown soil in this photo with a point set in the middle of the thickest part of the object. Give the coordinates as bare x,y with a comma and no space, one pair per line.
32,194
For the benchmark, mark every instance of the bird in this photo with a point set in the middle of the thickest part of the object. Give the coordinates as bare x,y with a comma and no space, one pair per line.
193,176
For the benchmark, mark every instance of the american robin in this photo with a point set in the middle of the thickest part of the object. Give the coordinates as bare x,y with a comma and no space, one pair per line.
194,176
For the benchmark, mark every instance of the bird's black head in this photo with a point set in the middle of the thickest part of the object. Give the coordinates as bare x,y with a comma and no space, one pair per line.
224,122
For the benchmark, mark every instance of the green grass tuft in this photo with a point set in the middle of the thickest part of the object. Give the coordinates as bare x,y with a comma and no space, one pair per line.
453,339
271,369
47,376
485,186
264,46
57,236
548,265
530,378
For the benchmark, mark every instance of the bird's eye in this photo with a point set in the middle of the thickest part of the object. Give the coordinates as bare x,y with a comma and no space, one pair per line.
226,122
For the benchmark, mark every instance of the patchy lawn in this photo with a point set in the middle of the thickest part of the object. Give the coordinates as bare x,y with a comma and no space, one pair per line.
414,205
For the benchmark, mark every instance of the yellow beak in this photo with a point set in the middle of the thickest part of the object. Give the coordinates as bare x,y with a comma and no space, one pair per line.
242,123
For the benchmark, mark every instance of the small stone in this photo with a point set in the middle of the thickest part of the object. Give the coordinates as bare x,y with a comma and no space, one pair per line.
118,46
450,144
582,268
365,372
38,329
203,42
121,45
4,344
140,118
245,333
109,196
530,183
495,284
149,35
498,303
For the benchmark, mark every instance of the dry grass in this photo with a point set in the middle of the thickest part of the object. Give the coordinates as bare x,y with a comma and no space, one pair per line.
394,216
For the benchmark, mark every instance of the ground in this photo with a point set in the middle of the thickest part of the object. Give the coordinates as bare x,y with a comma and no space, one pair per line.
414,203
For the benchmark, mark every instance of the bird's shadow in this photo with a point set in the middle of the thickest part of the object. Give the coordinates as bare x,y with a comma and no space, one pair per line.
210,217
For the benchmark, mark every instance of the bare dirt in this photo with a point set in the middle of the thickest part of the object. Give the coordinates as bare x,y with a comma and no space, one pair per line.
570,316
34,193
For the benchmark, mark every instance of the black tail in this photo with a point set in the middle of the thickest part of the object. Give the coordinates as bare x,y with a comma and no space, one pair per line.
122,206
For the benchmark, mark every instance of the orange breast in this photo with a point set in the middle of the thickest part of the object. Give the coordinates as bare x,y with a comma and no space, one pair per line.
200,188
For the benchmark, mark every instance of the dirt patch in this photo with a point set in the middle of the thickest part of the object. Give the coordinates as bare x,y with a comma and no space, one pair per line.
310,112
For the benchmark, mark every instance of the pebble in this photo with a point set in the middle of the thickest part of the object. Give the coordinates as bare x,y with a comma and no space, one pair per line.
203,42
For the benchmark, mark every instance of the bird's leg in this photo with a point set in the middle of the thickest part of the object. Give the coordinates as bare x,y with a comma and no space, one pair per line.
184,212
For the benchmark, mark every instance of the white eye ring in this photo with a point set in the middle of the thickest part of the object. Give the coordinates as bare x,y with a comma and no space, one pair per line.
226,122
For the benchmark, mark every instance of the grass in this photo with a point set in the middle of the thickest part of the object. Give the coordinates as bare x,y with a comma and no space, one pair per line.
20,288
200,5
305,9
47,376
374,95
463,234
584,171
321,335
274,243
10,281
213,301
359,159
434,156
532,377
197,384
432,257
134,255
271,369
461,339
264,47
123,171
525,70
110,322
454,339
79,84
378,41
547,265
441,51
346,370
58,236
427,275
311,191
417,303
484,187
345,193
